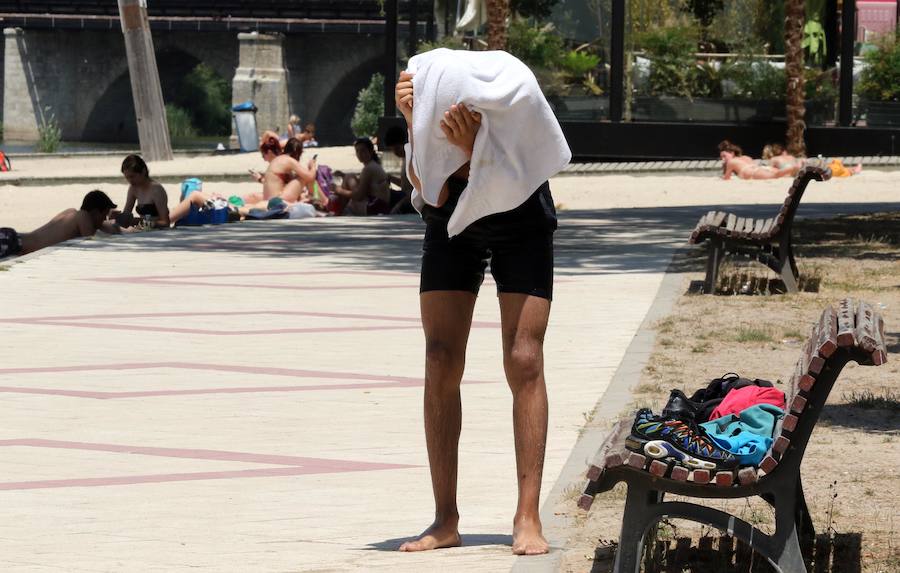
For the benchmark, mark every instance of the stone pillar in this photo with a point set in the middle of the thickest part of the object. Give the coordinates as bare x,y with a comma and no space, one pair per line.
21,103
261,76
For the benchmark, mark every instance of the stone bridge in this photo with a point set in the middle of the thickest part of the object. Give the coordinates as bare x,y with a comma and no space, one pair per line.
80,76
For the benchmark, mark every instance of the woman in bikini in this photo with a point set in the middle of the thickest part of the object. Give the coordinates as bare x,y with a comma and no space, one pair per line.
779,158
145,196
734,161
285,178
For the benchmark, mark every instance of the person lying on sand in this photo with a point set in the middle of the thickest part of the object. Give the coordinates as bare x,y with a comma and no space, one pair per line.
779,158
67,225
734,161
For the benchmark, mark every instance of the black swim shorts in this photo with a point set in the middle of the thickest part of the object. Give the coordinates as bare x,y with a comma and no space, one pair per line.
10,242
517,243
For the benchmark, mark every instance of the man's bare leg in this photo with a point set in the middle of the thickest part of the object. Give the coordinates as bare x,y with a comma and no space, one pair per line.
524,322
446,318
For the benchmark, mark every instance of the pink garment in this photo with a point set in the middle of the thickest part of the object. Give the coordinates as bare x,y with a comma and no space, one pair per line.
736,401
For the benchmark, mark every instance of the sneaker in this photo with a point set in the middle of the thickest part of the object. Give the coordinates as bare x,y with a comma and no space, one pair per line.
660,438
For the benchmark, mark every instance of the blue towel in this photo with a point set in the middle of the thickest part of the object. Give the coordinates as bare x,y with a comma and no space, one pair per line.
747,435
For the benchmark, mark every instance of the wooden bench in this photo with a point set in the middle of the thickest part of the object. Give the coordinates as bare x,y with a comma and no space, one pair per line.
765,240
855,332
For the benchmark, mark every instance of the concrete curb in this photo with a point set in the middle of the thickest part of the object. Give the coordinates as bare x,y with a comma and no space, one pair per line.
608,406
573,169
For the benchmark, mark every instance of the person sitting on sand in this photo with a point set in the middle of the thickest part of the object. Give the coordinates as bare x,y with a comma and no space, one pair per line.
734,161
370,192
779,158
145,195
285,177
69,224
308,137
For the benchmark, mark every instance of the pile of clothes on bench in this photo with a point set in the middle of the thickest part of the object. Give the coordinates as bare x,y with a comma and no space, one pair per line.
729,423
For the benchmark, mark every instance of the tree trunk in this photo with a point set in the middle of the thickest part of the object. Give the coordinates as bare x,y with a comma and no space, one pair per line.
795,14
498,15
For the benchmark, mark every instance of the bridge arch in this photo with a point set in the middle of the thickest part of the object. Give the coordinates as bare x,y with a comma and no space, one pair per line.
112,118
337,110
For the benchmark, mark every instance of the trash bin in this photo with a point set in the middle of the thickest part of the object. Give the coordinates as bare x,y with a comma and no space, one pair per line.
245,125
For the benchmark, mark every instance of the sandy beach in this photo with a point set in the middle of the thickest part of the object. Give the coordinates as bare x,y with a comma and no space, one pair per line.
49,187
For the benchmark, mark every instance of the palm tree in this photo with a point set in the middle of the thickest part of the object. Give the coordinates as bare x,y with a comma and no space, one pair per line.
794,16
498,15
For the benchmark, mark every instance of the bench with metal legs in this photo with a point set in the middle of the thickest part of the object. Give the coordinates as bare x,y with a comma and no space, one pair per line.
855,332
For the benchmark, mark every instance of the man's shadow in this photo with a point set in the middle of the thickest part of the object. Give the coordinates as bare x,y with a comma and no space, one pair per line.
468,540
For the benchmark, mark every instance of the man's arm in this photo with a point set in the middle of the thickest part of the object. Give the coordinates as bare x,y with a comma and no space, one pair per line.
110,228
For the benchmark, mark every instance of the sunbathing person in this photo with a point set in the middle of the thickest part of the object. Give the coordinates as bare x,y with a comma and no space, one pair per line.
67,225
779,158
286,178
734,161
145,195
370,192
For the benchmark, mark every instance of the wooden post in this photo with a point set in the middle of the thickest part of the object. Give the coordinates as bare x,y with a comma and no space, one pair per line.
153,129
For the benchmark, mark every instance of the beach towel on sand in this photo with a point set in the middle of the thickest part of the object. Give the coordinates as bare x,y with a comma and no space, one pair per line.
519,145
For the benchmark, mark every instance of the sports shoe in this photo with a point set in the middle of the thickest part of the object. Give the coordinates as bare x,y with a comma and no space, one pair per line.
660,438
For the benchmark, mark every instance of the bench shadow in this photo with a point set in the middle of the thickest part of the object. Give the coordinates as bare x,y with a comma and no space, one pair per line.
837,553
593,242
468,540
880,420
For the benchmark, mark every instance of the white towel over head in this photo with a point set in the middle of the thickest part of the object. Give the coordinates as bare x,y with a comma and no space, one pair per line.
519,144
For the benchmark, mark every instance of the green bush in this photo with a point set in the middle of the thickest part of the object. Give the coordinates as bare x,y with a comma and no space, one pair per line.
671,53
880,81
49,134
180,124
207,97
758,80
537,46
579,63
819,85
369,107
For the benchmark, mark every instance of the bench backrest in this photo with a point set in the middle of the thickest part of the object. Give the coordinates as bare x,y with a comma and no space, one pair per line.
785,216
855,332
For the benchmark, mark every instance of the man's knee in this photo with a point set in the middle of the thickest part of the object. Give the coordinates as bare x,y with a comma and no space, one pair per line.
444,355
524,362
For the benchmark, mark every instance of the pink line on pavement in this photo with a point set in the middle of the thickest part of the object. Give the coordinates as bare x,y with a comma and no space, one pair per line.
77,321
175,330
294,465
378,381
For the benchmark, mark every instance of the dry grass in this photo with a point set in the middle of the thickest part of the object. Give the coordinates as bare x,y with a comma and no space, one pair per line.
850,472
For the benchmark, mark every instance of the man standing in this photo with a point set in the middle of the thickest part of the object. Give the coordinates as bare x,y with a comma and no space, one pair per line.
485,198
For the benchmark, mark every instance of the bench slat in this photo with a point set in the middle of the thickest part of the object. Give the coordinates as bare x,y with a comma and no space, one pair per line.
781,445
747,476
806,380
768,464
719,219
879,357
658,468
789,423
845,323
865,327
699,476
731,223
724,479
826,343
680,473
798,404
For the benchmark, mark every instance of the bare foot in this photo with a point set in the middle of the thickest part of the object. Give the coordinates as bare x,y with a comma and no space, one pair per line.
438,536
528,539
858,169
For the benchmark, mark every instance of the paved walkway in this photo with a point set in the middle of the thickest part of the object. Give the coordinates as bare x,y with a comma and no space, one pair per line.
248,398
